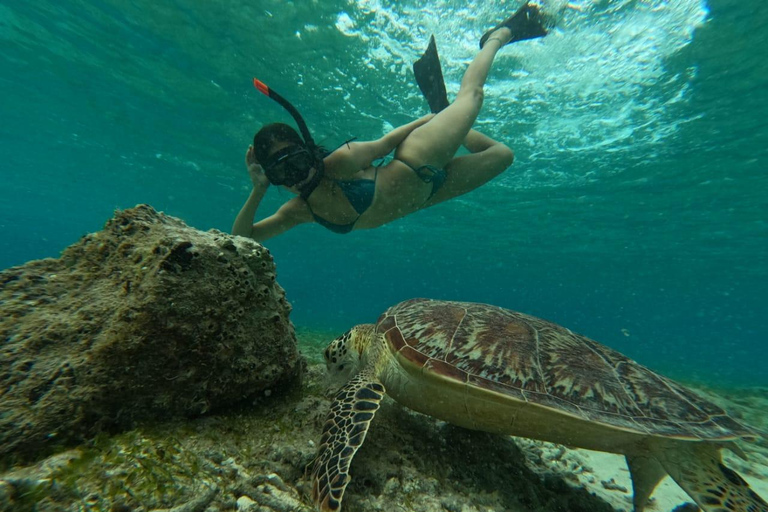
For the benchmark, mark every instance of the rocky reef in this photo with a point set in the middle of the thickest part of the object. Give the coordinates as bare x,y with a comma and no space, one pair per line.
254,460
147,319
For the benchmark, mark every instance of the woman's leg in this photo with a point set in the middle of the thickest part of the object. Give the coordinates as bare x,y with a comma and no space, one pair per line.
437,141
487,160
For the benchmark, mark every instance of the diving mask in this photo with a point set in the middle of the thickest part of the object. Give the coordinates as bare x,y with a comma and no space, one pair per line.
291,165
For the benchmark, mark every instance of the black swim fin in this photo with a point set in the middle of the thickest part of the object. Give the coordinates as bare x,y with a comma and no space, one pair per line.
429,76
528,22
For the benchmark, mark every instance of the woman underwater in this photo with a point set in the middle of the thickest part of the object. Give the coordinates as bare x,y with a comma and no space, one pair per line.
344,191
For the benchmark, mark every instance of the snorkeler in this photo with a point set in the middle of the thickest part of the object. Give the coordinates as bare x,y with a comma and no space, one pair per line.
343,190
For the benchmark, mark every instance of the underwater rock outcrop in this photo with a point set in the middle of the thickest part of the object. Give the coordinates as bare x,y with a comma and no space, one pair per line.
255,461
146,319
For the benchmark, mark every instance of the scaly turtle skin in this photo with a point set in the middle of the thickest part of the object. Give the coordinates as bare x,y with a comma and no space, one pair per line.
487,368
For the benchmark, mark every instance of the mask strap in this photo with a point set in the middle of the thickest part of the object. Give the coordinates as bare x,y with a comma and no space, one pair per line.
283,154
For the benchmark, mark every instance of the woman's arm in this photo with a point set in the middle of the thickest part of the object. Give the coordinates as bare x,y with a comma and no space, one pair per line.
243,225
385,145
354,156
288,216
244,219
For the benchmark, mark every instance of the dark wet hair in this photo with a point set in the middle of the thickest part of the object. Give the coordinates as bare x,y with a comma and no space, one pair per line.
269,135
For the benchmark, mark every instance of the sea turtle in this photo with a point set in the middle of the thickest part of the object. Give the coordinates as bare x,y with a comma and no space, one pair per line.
487,368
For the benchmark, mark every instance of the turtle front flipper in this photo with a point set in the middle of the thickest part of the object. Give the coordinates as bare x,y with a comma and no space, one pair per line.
699,470
343,433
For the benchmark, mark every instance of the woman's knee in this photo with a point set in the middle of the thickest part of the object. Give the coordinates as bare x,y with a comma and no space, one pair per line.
502,156
506,155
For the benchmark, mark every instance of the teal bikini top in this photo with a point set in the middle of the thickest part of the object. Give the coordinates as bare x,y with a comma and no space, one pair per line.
359,193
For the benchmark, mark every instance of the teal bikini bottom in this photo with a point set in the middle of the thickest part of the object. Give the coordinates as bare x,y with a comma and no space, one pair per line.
429,174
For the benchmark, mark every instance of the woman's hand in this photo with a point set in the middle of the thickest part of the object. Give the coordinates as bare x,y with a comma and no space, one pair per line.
258,178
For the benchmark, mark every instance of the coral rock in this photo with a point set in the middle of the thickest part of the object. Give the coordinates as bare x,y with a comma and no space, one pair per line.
146,319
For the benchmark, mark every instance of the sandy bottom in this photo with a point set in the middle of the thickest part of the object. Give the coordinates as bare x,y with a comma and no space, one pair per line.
606,475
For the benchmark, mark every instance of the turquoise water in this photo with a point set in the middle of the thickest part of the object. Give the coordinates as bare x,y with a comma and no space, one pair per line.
636,212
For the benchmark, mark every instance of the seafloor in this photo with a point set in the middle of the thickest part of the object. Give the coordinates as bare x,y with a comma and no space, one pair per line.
254,458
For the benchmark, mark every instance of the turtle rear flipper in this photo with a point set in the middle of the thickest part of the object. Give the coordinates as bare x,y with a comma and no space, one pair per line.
343,433
646,474
699,470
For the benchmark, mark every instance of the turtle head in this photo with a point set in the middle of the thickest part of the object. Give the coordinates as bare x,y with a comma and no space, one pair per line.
343,355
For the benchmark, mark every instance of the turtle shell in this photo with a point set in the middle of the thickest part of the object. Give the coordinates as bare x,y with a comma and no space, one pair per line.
529,359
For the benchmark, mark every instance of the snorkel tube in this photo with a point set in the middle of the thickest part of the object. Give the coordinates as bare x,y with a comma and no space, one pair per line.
304,188
271,94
